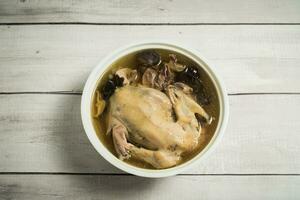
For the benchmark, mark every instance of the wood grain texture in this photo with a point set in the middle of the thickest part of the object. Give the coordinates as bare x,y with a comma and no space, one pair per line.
36,187
59,58
43,133
158,11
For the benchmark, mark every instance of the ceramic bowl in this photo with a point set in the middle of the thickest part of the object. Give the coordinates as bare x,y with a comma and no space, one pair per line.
91,85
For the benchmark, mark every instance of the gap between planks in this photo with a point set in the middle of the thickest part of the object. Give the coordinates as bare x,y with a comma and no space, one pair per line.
125,174
145,24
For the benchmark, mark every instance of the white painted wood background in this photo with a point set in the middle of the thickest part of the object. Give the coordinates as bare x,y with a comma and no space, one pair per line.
48,48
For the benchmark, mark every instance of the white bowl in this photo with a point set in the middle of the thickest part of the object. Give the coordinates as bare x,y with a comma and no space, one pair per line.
102,150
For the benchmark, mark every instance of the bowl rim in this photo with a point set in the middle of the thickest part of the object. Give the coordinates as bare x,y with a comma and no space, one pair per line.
89,88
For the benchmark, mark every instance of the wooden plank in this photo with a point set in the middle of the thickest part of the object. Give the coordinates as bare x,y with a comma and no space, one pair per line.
43,133
46,187
161,11
59,58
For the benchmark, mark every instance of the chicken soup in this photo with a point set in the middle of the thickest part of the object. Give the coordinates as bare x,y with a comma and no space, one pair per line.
155,108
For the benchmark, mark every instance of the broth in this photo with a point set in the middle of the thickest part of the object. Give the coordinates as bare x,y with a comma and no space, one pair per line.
129,61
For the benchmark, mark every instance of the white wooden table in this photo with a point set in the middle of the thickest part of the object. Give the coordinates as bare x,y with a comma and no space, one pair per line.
48,48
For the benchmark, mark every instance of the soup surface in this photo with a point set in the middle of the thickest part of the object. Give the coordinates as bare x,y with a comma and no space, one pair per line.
100,122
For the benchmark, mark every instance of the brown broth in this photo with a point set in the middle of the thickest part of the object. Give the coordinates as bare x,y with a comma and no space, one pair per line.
130,61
